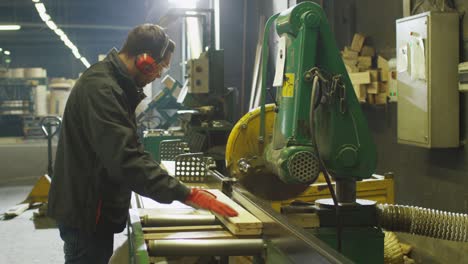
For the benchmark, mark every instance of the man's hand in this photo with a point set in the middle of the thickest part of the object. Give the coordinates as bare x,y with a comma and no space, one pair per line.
207,200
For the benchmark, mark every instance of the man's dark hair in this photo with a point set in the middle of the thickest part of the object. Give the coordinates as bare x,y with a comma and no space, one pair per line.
148,38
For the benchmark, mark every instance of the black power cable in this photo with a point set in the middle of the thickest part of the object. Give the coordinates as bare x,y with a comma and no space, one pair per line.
314,104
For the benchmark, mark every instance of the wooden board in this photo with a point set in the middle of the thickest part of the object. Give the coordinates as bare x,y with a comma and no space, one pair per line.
381,98
181,228
368,51
16,210
360,77
358,42
361,92
373,88
382,64
188,235
365,61
243,224
374,75
348,53
383,88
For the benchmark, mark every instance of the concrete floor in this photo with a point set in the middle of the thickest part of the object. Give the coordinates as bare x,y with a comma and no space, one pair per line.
23,243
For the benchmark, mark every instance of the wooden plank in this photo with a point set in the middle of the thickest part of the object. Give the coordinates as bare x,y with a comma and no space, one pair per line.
361,92
348,53
358,42
368,51
383,88
188,235
181,228
374,75
373,88
243,224
365,61
381,98
382,64
16,210
360,77
350,68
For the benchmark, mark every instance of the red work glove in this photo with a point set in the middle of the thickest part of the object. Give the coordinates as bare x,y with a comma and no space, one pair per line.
206,200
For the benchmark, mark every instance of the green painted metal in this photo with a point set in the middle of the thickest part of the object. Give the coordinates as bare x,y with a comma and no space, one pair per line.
138,253
359,244
265,52
339,133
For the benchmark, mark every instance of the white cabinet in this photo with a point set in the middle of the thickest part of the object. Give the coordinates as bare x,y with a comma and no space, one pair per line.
427,80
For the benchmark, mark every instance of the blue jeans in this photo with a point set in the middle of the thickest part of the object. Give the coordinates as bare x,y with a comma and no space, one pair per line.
81,247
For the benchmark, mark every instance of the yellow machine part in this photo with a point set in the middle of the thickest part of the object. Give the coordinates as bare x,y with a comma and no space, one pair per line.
40,191
243,141
377,188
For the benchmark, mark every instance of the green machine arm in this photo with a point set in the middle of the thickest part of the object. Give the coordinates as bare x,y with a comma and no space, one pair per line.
319,119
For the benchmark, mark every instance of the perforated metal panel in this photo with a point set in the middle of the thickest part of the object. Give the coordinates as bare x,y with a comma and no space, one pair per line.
170,149
191,167
197,141
304,166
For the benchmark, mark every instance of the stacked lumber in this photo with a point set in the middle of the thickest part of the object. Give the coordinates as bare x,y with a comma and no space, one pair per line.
367,71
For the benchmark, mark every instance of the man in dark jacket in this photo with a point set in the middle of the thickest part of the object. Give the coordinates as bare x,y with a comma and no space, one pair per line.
100,159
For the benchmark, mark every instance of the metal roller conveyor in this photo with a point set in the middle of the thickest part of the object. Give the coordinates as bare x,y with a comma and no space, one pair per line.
178,220
204,247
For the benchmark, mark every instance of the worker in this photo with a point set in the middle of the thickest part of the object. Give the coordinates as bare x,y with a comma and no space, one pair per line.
100,158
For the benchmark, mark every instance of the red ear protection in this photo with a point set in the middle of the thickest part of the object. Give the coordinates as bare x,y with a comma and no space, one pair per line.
145,63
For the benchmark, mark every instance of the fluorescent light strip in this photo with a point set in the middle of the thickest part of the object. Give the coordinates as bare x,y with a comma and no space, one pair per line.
85,62
41,10
10,27
51,24
40,7
6,52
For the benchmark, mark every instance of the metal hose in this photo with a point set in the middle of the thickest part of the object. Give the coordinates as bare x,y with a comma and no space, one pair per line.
423,221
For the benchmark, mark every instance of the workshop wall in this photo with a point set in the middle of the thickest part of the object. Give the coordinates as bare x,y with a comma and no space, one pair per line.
435,178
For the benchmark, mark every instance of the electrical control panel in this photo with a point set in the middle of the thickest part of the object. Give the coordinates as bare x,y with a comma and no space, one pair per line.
427,80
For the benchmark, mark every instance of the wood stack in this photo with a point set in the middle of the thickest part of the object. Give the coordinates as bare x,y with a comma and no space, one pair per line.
369,82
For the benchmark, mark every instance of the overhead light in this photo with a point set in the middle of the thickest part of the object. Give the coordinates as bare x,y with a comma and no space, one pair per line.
59,32
1,49
51,24
85,62
44,16
7,52
76,53
183,4
191,13
10,27
40,8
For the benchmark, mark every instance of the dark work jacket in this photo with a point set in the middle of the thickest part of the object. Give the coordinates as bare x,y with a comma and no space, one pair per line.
100,158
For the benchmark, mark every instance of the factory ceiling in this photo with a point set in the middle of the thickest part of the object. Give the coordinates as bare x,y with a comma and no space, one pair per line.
93,26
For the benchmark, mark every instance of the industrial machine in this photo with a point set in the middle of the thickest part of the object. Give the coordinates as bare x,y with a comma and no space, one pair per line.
204,107
316,125
276,152
161,111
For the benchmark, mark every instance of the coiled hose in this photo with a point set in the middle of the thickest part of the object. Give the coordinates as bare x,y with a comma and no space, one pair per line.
423,221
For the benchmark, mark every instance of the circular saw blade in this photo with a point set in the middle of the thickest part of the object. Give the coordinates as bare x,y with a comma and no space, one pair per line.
244,144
